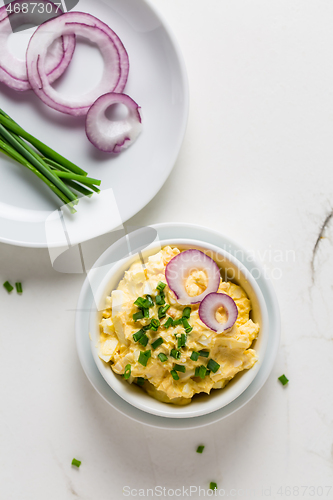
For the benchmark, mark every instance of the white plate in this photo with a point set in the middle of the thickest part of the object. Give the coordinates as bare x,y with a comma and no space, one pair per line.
157,81
175,231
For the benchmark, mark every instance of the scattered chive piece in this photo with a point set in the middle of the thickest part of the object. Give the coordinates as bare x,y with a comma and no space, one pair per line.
140,381
162,357
75,462
187,312
200,449
137,316
213,366
141,302
177,322
127,372
187,325
19,287
202,371
168,323
145,312
150,300
194,356
162,311
137,336
143,340
157,343
180,368
175,354
283,379
181,341
8,287
146,327
143,358
197,371
204,354
160,299
174,374
213,486
160,286
154,324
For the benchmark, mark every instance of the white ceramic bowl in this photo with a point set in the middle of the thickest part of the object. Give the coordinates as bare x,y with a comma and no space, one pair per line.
106,278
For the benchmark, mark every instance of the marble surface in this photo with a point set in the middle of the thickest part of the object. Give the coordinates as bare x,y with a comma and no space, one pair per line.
256,164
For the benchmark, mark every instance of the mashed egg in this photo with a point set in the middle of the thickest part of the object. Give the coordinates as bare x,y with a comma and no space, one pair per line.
171,359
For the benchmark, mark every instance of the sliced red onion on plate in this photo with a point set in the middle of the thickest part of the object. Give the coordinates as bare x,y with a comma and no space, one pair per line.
13,71
179,269
209,307
113,136
116,63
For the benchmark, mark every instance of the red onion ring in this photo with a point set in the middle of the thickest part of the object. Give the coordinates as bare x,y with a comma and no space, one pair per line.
113,136
76,23
209,306
180,267
13,71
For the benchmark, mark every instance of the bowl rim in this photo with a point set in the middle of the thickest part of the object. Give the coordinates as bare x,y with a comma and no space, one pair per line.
165,410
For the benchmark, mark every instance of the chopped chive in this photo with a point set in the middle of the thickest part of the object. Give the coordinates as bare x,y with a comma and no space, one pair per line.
18,287
181,341
194,356
75,462
157,343
127,372
162,357
162,311
142,303
146,327
175,354
160,286
143,340
140,381
174,374
145,312
137,336
283,379
154,324
187,312
160,299
177,322
213,486
202,371
204,354
8,286
200,449
137,316
197,371
187,325
150,300
180,368
168,323
143,358
213,366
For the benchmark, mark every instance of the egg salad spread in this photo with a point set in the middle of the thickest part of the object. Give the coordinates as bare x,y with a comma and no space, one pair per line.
153,341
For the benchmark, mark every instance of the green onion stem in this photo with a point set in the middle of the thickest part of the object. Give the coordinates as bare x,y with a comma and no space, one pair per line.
12,153
75,177
32,157
45,150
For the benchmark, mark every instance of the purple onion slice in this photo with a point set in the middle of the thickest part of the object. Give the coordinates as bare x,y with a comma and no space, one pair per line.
13,71
116,63
179,269
113,136
209,307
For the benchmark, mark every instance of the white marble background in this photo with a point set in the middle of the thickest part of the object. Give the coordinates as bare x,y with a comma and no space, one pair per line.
257,164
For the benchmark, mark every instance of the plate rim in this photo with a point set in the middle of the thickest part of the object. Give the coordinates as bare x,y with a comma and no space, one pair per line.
191,422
